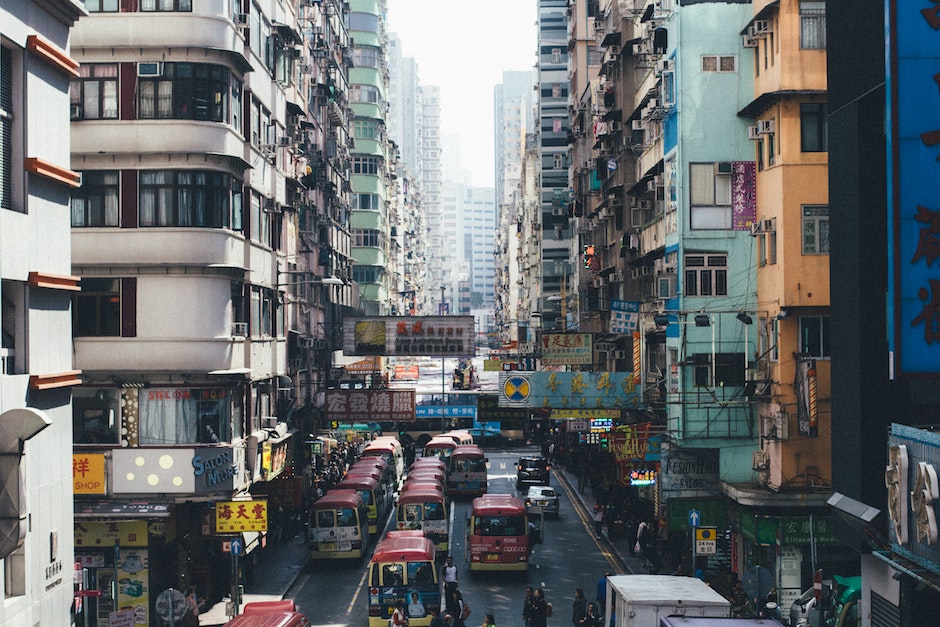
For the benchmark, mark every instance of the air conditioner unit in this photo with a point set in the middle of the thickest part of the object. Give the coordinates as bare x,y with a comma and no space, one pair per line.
240,329
241,19
269,422
645,270
620,354
600,88
769,225
599,281
643,205
150,68
615,277
638,125
756,227
761,27
284,141
748,41
558,211
314,343
723,167
765,127
653,103
753,132
774,426
760,460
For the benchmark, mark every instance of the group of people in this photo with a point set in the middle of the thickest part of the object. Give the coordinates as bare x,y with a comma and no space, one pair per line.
535,609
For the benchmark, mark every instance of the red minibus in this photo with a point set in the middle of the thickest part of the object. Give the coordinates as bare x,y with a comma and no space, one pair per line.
269,614
466,474
497,533
439,446
420,507
339,526
403,570
372,495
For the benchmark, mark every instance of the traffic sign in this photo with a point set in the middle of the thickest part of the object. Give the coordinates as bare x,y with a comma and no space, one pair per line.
236,546
706,540
695,517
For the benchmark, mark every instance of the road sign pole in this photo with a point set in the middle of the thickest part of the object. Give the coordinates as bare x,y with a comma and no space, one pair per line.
235,600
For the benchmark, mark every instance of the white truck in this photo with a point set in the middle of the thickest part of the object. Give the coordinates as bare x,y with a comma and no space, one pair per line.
643,600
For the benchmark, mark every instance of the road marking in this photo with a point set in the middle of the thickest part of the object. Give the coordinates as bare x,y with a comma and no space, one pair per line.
588,524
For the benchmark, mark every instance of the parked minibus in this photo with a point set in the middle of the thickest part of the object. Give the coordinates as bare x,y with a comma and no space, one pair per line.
403,570
439,446
339,526
390,450
466,474
372,495
428,462
281,613
459,436
423,508
376,467
498,533
426,475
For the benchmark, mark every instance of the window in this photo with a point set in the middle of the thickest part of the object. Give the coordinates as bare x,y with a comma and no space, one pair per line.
710,195
364,93
367,202
706,275
761,249
187,198
166,5
558,161
366,56
184,416
7,111
813,127
813,24
366,165
771,149
760,155
94,94
367,237
185,91
719,63
366,129
95,203
14,573
556,55
97,310
772,247
814,336
102,6
729,370
815,229
96,416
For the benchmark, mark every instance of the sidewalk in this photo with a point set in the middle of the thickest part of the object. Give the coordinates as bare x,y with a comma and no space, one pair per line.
276,569
620,547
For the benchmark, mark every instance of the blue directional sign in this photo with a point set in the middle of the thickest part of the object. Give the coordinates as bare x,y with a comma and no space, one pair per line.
695,517
236,547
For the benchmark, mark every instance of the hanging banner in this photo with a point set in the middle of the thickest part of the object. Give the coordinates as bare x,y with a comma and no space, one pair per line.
805,384
568,390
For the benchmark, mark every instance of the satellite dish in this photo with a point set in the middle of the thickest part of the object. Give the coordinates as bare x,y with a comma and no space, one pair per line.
757,582
171,605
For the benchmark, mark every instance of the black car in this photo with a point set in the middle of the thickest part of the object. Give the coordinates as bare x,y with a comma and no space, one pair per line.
532,470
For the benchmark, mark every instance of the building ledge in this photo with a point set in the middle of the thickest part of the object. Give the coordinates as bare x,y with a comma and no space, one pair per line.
754,495
55,380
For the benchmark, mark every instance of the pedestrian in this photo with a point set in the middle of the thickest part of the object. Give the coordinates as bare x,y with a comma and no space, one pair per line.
578,608
598,520
448,620
527,606
398,618
592,617
450,574
601,598
436,619
193,605
539,609
459,608
488,621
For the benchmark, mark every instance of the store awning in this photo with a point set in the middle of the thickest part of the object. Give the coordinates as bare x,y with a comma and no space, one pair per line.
121,509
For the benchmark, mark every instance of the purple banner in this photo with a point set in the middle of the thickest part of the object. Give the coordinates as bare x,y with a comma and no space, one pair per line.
743,195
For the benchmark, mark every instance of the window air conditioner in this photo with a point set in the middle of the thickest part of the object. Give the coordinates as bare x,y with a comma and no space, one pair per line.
150,68
240,329
723,167
616,277
753,132
638,125
269,422
760,460
599,281
761,27
747,41
770,224
283,141
765,127
241,19
620,354
756,227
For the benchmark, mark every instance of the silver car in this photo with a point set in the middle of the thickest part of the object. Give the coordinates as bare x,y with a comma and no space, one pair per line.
544,497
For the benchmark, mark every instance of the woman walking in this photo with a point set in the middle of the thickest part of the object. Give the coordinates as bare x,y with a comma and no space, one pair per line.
539,609
578,608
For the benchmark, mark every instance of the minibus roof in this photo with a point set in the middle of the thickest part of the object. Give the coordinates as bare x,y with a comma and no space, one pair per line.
498,504
420,494
358,482
410,548
338,498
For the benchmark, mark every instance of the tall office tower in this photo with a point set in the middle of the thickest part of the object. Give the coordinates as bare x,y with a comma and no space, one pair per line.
472,216
371,171
211,236
36,364
557,250
513,118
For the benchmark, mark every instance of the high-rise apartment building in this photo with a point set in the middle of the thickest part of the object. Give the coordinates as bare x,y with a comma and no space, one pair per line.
37,372
211,236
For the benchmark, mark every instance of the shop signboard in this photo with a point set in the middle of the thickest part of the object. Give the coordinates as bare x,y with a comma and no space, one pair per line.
412,336
370,405
568,390
237,516
560,349
88,475
689,472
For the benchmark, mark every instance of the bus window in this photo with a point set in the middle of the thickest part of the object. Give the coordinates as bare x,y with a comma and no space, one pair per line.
325,518
347,517
392,575
420,572
412,512
434,511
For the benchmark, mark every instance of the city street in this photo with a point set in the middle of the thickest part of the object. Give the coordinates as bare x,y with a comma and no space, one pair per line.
569,558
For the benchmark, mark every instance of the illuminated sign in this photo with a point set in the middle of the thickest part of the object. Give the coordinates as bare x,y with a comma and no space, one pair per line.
415,336
238,516
601,424
642,477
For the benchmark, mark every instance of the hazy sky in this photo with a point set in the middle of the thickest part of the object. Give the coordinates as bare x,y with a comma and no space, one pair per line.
464,46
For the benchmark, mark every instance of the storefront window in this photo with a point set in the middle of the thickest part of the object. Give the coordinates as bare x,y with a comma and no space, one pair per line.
171,416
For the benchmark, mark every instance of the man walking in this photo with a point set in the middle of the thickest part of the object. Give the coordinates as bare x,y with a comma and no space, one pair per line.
450,576
527,607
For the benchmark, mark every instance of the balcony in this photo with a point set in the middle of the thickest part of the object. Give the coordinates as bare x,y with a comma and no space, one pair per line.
185,246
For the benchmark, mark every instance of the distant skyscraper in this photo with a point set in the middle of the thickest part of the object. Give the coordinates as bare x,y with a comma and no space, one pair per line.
513,118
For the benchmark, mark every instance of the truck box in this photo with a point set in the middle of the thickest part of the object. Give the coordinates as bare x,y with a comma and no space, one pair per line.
686,621
643,600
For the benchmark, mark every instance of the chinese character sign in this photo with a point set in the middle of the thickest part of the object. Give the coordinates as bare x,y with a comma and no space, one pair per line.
914,208
623,316
370,405
88,473
414,336
568,390
743,195
238,516
559,349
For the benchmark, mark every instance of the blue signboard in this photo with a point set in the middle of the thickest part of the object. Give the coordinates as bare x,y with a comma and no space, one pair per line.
450,411
568,390
913,57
